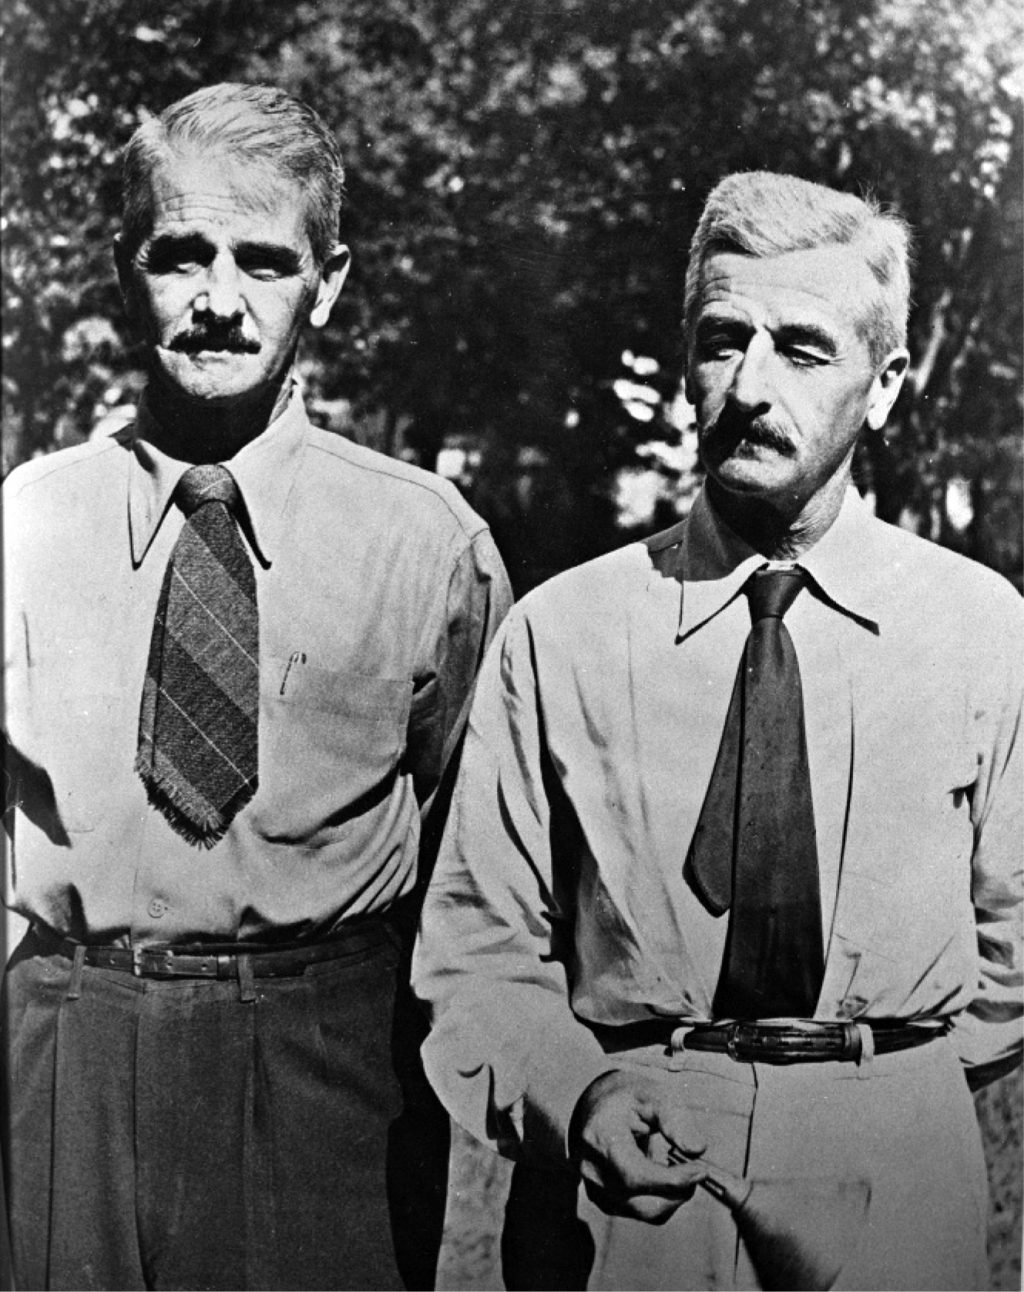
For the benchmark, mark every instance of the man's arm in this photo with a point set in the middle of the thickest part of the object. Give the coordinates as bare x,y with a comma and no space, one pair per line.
476,600
507,1055
989,1034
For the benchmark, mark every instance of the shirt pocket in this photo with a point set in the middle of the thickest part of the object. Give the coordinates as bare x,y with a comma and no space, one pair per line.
330,745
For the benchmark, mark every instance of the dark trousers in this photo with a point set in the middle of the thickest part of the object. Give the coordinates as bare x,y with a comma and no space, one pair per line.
170,1134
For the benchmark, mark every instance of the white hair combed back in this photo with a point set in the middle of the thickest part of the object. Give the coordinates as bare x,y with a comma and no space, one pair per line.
258,124
758,213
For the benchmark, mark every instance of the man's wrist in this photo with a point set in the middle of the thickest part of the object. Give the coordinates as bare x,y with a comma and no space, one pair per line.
581,1113
551,1098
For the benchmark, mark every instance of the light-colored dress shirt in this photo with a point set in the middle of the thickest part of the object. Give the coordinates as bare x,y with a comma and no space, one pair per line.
559,900
378,591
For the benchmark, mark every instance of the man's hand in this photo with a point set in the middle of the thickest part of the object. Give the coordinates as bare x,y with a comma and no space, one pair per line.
621,1131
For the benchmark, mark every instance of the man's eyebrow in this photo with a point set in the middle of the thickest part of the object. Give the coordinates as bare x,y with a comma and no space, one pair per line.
164,242
273,253
712,319
808,332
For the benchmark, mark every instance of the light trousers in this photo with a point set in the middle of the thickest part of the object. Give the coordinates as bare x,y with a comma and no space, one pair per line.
905,1122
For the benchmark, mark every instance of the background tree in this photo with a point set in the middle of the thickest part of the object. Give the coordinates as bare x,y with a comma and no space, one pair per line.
523,183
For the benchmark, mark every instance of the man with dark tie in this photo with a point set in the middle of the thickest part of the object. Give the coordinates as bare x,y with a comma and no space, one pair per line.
239,655
731,878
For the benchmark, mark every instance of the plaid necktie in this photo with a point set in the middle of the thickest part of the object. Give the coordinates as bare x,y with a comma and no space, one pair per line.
200,702
754,848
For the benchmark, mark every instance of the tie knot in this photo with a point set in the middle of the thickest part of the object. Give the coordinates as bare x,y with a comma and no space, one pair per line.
203,484
772,592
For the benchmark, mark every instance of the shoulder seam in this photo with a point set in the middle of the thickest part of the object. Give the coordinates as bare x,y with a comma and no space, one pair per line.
51,464
439,494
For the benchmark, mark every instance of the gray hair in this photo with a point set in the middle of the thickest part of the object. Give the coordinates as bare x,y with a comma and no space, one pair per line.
258,124
757,213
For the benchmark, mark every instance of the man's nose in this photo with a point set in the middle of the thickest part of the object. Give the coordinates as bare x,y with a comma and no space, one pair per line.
751,384
221,295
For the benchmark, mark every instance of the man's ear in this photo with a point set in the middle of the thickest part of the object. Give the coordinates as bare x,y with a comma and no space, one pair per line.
126,277
886,386
688,387
687,364
332,279
687,383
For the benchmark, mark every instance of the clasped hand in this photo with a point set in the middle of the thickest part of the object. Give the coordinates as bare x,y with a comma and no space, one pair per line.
623,1129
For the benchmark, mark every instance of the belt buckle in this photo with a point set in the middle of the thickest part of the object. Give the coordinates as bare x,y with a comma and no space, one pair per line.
152,962
741,1042
794,1041
749,1041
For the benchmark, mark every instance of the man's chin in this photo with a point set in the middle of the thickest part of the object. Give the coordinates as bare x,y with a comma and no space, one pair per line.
211,376
760,475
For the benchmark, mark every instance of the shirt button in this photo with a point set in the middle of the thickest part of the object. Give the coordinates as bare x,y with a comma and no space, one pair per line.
157,908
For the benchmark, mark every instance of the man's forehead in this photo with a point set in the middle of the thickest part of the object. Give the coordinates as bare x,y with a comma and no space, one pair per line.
831,283
191,188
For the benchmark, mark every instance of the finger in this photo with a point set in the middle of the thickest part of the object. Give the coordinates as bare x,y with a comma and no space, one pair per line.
625,1169
681,1149
634,1173
650,1209
676,1124
658,1148
653,1114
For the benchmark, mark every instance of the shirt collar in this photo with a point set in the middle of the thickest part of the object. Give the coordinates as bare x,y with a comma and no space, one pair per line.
712,563
264,470
848,564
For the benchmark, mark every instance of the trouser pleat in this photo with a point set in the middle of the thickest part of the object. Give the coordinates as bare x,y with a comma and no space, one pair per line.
219,1134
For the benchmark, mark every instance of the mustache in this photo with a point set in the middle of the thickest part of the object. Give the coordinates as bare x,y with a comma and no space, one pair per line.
732,427
230,338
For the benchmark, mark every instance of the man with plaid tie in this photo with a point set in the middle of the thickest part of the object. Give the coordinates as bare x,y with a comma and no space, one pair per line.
239,658
731,880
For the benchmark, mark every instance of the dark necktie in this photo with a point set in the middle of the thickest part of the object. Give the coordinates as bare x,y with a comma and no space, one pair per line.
200,702
754,848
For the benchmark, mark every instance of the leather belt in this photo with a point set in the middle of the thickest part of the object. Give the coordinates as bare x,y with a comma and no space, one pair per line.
808,1040
221,960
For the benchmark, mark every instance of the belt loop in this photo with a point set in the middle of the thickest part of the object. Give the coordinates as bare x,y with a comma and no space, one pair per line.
246,980
677,1040
77,965
867,1049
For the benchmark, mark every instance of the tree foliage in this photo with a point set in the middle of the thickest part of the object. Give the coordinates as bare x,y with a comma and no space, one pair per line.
523,182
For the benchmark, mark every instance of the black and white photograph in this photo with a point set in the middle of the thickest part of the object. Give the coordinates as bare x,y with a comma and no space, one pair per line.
513,554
